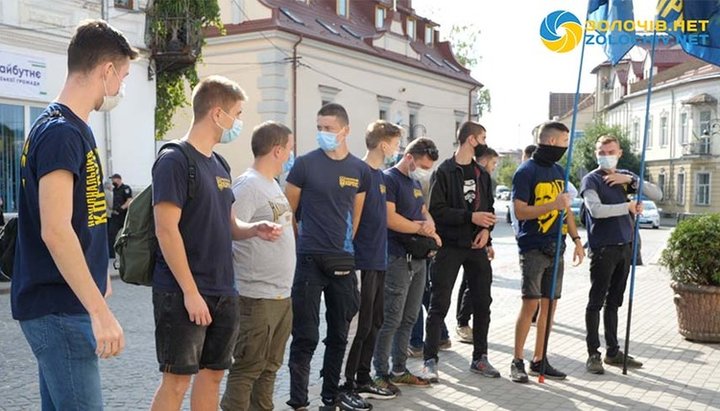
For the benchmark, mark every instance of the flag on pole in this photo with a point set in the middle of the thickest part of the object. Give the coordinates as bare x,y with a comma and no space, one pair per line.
603,13
695,24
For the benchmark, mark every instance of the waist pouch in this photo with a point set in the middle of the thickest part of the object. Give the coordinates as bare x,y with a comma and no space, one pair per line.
335,264
419,247
549,248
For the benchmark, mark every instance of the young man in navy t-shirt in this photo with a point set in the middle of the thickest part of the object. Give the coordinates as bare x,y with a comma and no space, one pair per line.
328,186
538,197
610,223
61,260
405,280
194,297
382,140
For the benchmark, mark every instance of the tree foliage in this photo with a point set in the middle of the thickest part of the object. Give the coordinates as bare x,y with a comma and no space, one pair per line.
464,40
171,84
506,170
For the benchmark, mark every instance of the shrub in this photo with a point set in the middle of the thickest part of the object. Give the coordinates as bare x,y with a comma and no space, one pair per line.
692,254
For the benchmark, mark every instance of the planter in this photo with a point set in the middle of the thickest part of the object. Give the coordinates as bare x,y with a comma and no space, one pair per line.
697,311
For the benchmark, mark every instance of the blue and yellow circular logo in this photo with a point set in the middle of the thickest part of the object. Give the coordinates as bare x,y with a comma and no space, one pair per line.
549,31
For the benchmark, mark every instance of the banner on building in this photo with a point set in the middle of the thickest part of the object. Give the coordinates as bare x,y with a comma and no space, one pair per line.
22,76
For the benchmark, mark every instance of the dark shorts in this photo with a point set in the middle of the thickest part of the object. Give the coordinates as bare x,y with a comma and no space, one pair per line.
184,347
537,271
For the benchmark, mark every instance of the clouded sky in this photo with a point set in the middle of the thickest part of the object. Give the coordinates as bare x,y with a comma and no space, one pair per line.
516,67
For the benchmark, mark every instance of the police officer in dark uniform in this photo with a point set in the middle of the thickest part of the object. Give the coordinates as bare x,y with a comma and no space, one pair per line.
122,195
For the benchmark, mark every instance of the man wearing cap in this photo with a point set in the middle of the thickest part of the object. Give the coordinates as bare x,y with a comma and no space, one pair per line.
122,196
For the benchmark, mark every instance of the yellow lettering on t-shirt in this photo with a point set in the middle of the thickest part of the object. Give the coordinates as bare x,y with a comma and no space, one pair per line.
349,182
94,195
222,183
417,193
383,189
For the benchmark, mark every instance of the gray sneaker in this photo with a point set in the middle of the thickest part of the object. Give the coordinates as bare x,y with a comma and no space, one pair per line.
430,370
593,365
484,368
617,360
517,371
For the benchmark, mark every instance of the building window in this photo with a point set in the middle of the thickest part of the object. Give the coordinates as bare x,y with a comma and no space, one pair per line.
124,4
324,102
342,8
15,121
704,122
680,194
384,104
412,123
663,131
383,114
650,133
702,190
683,128
662,186
410,28
380,14
429,32
636,135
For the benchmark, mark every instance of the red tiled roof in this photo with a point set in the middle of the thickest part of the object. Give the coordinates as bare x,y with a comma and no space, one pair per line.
319,21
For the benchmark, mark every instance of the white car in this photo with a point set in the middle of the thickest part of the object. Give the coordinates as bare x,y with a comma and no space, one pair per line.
650,215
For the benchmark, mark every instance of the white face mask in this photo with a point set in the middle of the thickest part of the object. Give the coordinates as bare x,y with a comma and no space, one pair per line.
420,174
110,102
607,162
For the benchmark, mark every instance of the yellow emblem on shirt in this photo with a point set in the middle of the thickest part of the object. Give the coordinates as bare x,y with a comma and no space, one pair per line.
222,183
349,182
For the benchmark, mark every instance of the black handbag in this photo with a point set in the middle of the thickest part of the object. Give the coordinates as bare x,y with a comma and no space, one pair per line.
335,264
419,247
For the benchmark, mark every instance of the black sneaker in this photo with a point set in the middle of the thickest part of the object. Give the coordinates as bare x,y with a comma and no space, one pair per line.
374,391
550,372
617,360
385,383
593,365
350,401
517,371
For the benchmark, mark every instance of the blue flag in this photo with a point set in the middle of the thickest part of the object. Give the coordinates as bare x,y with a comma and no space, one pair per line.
695,25
604,13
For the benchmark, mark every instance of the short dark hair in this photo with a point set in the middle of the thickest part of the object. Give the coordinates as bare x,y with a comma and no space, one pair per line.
490,153
423,146
529,150
116,175
268,135
549,128
335,110
381,131
96,42
467,129
215,91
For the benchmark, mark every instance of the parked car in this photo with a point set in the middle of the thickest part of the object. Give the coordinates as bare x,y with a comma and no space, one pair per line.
502,192
575,205
650,215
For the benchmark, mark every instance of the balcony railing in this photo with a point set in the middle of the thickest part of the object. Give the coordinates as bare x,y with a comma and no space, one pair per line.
702,147
175,42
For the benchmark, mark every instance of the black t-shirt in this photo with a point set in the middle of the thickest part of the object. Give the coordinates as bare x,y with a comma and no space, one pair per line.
470,189
204,223
121,194
62,143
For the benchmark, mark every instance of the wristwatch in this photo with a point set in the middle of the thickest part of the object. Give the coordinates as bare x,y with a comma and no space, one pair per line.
633,182
576,238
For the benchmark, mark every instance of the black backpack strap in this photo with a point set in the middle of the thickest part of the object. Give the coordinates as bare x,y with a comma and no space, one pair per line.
224,162
192,165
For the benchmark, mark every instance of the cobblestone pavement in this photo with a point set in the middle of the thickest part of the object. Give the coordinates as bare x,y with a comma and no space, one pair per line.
678,374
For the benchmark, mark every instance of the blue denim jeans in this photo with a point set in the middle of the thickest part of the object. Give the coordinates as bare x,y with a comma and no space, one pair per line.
64,347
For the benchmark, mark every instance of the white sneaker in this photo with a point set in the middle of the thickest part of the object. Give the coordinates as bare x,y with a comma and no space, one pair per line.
464,334
430,370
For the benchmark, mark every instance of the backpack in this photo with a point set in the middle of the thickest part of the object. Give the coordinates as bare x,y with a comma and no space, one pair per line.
136,244
8,237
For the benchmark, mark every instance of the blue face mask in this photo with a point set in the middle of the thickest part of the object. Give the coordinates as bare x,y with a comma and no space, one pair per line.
327,140
231,133
288,165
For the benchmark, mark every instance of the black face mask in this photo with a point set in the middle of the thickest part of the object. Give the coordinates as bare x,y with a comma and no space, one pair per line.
548,155
480,149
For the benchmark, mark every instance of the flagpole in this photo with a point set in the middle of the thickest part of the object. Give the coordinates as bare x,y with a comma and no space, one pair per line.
638,197
559,239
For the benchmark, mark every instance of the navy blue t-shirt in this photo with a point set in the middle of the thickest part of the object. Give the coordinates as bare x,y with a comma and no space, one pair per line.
327,201
537,185
371,238
204,223
406,194
62,143
612,230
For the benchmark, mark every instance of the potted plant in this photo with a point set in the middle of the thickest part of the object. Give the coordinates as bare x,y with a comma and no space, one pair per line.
692,256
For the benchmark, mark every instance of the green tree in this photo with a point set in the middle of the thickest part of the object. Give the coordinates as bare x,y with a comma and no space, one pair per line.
464,40
506,170
584,159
